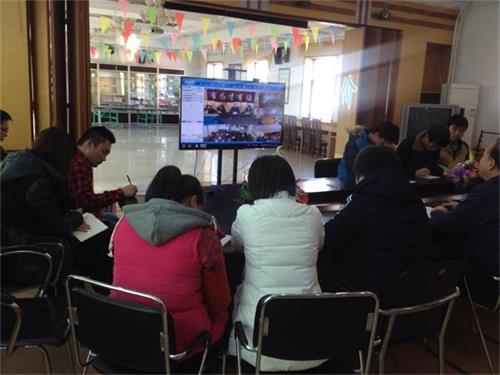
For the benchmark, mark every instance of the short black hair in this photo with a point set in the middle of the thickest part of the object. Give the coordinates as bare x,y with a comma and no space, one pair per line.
56,147
387,131
164,184
98,135
494,153
459,121
373,158
439,135
4,116
268,175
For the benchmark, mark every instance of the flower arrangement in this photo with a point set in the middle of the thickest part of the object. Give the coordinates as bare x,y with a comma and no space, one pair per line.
463,173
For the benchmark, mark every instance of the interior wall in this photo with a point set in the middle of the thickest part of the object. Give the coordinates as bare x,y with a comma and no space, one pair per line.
478,61
14,68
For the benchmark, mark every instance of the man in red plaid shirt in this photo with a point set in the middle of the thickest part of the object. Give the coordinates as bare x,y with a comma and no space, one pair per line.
93,148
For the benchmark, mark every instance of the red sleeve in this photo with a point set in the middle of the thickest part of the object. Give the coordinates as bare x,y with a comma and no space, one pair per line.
81,187
215,285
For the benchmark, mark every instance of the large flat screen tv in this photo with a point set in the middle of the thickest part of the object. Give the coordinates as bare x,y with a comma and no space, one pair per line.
417,117
225,114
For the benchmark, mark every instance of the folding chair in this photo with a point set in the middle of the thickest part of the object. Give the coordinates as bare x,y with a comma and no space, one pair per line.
32,323
414,306
482,290
312,327
125,337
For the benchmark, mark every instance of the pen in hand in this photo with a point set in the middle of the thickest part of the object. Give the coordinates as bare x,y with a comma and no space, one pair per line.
128,178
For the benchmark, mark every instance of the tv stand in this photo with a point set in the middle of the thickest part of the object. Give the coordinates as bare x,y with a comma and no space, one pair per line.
219,166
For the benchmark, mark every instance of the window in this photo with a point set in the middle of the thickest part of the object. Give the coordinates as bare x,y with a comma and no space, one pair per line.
321,87
215,70
258,69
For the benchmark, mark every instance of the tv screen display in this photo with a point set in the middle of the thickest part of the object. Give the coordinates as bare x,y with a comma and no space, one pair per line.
416,118
226,114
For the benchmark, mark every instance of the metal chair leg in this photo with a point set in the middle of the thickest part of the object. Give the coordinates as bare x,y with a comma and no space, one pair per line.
478,325
238,356
223,363
385,345
71,358
203,359
87,361
361,364
441,337
45,355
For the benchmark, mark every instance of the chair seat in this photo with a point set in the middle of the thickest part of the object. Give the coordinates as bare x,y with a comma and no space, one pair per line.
44,322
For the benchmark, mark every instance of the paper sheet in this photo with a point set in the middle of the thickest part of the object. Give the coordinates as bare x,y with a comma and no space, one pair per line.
225,240
96,227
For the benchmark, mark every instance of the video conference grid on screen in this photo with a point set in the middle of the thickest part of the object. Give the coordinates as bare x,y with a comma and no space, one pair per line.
230,114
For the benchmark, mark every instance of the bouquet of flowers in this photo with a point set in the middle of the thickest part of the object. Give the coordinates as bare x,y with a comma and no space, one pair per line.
463,173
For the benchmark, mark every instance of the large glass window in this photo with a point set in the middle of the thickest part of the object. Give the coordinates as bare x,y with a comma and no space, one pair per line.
215,70
258,70
112,87
143,89
321,87
169,91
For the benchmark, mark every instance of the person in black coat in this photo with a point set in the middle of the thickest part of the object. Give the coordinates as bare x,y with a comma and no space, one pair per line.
36,203
420,154
473,225
381,232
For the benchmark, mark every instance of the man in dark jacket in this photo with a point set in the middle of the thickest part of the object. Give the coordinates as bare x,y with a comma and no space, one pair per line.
420,154
381,232
473,225
382,134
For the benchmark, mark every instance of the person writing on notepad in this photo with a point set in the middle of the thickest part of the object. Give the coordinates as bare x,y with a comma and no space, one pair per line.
93,148
420,154
169,248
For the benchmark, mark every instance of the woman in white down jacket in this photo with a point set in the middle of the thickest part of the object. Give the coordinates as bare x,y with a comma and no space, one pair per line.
281,240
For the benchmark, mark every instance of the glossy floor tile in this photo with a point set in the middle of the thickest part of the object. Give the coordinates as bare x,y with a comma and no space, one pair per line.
140,152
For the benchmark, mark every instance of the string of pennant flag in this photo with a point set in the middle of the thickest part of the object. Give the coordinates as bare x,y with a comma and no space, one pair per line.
176,45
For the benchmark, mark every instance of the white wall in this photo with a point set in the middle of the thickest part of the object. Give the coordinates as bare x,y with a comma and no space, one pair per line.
478,61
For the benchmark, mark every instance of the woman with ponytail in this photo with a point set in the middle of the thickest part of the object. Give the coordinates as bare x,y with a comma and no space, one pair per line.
169,248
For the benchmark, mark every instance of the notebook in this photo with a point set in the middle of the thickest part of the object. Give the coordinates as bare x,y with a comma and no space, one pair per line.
96,227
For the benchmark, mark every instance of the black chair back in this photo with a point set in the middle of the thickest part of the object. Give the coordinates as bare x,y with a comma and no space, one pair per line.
313,327
326,167
25,266
484,288
125,334
421,285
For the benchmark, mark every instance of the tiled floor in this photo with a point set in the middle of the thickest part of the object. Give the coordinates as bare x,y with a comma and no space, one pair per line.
140,152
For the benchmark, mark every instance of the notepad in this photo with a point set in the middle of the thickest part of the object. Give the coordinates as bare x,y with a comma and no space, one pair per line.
96,227
428,210
225,240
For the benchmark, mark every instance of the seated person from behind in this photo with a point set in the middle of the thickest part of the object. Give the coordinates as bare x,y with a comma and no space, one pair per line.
248,109
473,225
382,134
280,239
93,148
457,150
420,154
34,191
381,232
221,109
235,109
169,248
209,109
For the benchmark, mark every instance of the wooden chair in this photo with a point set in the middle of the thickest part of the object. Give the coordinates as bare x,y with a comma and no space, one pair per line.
286,132
318,145
307,135
295,140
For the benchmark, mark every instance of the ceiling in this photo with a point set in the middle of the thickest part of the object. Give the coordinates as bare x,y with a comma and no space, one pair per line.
166,24
446,4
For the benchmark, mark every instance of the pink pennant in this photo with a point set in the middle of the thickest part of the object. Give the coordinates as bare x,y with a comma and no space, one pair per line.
173,37
127,29
93,52
252,28
185,44
174,56
124,7
179,18
295,31
204,53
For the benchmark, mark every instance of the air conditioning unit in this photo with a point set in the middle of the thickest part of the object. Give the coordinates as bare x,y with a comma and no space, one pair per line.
467,97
